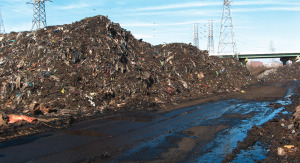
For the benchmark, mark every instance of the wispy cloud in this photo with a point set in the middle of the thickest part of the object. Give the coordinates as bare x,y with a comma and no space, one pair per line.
246,27
161,24
177,6
183,12
266,9
182,23
138,25
73,6
264,2
120,3
17,28
214,3
138,36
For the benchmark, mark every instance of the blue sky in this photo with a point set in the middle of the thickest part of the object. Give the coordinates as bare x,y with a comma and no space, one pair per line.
256,22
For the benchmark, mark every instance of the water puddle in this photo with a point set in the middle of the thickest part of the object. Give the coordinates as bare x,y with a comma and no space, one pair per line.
258,152
238,115
227,140
285,112
203,133
23,140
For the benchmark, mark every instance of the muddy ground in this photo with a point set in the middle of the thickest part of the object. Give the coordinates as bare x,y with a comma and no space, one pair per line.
258,92
281,135
177,135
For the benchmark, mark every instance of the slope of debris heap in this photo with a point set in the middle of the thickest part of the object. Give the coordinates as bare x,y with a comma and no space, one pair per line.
94,65
287,72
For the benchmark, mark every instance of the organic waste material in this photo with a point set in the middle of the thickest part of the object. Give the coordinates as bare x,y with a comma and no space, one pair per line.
94,65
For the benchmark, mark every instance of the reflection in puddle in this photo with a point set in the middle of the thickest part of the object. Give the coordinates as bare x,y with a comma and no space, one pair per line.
185,125
219,148
258,152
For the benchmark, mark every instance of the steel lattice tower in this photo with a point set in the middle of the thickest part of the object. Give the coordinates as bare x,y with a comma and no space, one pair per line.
2,29
196,35
210,43
39,14
272,49
227,31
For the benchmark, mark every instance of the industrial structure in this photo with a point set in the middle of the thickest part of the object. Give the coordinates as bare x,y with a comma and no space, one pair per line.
227,43
39,14
2,29
196,35
284,56
210,43
272,49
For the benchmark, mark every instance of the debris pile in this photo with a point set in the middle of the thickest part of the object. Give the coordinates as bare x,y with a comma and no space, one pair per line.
288,72
284,140
94,65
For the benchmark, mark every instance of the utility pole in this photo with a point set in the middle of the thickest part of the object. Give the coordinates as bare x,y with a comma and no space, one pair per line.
2,29
196,35
39,14
227,31
210,43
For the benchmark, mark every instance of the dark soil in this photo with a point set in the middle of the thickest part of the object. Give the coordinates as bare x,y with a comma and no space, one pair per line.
278,134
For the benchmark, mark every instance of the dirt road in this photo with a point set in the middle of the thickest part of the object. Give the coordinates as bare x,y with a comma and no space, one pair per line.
204,132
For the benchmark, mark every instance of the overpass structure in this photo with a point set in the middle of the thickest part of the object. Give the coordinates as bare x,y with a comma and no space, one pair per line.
284,56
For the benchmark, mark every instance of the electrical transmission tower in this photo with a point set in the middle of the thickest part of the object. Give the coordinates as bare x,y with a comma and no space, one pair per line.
2,29
39,14
196,35
227,31
272,49
210,43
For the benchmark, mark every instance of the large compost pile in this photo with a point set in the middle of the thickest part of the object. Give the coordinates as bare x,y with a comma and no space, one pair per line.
94,65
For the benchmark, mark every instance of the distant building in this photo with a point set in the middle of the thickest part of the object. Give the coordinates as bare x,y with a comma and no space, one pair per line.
256,64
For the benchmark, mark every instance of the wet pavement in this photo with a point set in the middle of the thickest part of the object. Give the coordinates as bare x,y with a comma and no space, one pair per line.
203,133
